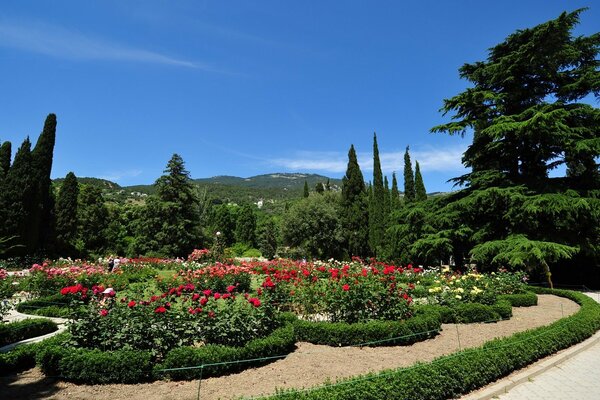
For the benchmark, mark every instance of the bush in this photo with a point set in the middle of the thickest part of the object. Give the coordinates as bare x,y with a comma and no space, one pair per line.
465,313
252,253
526,299
279,343
372,333
49,306
16,331
24,357
459,373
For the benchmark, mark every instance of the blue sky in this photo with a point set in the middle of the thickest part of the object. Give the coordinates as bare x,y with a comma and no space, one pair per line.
248,87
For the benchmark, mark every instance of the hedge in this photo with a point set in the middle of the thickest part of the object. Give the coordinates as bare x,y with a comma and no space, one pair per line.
454,375
526,299
470,312
49,306
13,332
373,333
279,343
24,357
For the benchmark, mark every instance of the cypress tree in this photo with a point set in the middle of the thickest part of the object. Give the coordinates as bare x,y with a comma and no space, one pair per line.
377,211
387,200
395,194
306,192
66,213
409,180
420,193
328,185
245,229
42,229
92,220
18,197
224,223
355,217
5,154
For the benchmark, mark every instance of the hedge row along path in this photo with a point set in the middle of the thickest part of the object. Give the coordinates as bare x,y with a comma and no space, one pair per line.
310,365
14,316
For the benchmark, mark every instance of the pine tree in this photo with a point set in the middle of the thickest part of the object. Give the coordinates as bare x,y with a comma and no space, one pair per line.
409,180
306,192
420,193
245,228
66,213
395,194
41,235
354,214
376,209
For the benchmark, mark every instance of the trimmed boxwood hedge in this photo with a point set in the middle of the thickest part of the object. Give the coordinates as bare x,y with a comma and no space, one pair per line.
470,312
24,357
526,299
261,351
373,333
13,332
48,306
459,373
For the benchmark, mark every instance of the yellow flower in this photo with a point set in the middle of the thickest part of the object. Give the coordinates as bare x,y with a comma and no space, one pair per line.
435,289
458,296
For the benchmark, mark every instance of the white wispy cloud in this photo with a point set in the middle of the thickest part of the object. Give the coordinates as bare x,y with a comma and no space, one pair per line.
446,159
116,176
59,42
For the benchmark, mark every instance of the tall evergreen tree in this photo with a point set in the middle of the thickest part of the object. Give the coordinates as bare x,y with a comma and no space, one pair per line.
92,220
387,200
245,228
43,223
409,180
267,238
224,223
395,194
377,206
5,155
170,224
354,214
66,214
306,192
328,185
18,198
319,188
420,192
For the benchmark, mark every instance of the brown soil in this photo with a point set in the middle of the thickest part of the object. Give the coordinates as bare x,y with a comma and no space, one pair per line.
309,365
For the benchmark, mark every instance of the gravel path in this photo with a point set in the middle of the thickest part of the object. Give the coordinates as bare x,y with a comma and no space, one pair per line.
308,366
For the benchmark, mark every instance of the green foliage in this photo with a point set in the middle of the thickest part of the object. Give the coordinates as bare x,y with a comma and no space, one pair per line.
313,225
395,194
354,209
467,313
224,222
245,228
267,238
372,333
92,215
319,188
5,156
46,306
409,179
24,357
306,193
377,212
13,332
280,342
526,299
420,192
66,215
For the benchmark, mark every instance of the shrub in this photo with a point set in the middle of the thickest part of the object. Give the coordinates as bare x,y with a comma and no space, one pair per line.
24,357
48,306
260,351
526,299
470,312
16,331
372,333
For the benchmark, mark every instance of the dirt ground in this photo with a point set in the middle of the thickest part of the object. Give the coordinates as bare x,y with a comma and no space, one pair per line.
309,365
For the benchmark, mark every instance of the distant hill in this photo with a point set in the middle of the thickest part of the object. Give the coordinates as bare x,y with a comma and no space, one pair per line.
290,181
101,183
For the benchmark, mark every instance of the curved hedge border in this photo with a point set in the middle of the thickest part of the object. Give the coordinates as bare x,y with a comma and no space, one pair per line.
454,375
471,312
133,366
13,332
49,306
526,299
373,333
279,343
24,357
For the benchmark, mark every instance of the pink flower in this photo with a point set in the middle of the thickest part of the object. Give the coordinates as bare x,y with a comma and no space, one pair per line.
103,312
230,288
